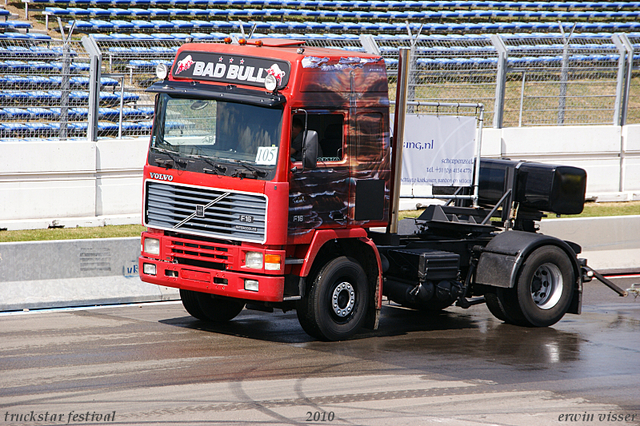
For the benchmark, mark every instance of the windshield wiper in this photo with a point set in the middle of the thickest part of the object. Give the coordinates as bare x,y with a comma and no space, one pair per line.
217,168
168,163
252,170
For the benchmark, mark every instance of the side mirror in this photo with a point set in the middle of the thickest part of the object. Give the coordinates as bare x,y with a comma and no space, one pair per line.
310,150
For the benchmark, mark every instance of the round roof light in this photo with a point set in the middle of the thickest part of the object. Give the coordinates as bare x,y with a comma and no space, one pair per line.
270,83
162,71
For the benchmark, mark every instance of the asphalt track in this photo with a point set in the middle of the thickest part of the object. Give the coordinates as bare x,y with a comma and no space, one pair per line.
153,364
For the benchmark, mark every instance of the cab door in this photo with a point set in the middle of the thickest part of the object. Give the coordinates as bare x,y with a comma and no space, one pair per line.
319,198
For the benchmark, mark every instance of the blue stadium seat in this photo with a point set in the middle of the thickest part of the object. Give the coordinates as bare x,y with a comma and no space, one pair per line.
350,26
141,37
368,27
77,128
133,113
15,95
120,37
297,26
9,66
109,113
38,127
78,113
96,12
182,25
181,13
162,25
156,12
16,25
14,80
40,81
361,16
202,25
13,129
17,113
42,96
42,113
140,24
121,25
116,11
315,26
59,11
101,25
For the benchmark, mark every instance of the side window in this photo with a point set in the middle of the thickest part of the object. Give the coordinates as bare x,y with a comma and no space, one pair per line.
330,129
369,136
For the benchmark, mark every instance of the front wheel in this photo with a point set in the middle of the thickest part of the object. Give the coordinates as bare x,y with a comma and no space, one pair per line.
336,305
207,307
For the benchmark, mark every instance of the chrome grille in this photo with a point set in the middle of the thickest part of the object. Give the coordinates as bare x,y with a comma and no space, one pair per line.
204,211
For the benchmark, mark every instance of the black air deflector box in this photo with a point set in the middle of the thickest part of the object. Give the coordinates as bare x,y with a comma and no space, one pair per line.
423,264
544,187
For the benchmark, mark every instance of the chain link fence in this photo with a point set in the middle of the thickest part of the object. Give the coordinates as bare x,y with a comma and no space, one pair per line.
560,80
548,79
43,86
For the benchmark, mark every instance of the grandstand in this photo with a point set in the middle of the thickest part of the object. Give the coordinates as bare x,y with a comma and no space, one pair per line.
571,49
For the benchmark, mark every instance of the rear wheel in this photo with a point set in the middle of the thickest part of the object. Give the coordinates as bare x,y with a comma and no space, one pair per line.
496,306
336,305
545,286
542,293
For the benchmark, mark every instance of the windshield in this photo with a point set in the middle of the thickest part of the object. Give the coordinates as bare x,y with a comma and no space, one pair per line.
217,136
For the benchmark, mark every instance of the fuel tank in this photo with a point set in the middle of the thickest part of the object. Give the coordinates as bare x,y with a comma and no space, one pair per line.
544,187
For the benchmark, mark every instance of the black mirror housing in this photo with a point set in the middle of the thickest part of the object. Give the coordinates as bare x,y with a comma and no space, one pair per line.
310,150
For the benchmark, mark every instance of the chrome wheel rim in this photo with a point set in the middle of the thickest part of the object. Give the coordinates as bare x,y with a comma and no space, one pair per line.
547,286
343,299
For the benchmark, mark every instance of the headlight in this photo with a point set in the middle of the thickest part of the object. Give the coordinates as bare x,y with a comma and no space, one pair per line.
253,260
152,246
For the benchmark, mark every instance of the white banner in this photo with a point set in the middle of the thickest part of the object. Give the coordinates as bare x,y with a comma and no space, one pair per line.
438,150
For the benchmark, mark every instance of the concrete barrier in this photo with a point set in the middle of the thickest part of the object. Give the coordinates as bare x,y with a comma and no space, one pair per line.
610,244
51,274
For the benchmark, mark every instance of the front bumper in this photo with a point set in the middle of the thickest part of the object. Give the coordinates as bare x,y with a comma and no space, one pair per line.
210,267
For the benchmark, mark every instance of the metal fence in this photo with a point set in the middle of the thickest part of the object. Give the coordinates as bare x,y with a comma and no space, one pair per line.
40,82
523,80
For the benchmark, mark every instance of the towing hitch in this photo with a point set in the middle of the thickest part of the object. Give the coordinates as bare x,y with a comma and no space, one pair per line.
588,274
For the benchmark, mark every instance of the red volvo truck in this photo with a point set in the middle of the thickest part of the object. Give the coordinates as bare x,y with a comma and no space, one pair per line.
270,184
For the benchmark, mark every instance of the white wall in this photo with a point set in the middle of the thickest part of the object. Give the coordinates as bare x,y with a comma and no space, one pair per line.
601,150
88,183
70,182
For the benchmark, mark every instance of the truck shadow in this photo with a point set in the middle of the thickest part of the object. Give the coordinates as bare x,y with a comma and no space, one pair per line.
414,334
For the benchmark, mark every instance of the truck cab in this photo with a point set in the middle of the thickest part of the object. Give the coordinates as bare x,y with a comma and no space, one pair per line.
235,215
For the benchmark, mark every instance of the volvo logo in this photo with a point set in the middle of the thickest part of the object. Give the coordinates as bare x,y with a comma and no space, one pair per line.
160,176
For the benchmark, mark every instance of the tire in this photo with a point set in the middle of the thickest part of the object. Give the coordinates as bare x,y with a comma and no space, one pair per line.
207,307
545,286
496,306
219,309
190,302
503,304
336,305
